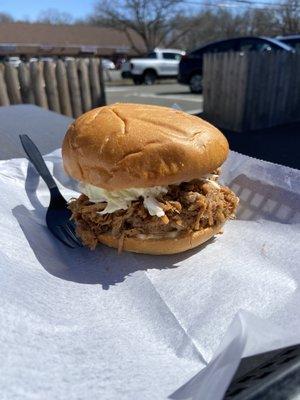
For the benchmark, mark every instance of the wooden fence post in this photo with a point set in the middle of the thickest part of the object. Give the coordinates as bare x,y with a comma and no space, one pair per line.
95,82
4,99
207,88
239,91
38,83
51,86
296,83
12,84
63,89
25,84
84,82
102,84
74,88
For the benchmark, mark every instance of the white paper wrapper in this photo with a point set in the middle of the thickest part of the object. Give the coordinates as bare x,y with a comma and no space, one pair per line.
79,324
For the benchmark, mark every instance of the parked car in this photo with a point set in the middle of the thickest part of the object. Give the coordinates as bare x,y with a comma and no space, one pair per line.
67,58
120,61
43,58
108,64
160,63
15,61
291,40
33,59
190,67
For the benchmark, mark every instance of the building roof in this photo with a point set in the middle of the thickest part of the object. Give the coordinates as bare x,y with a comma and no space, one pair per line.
50,38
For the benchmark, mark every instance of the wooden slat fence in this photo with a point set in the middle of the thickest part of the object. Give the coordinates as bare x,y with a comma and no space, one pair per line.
69,88
252,90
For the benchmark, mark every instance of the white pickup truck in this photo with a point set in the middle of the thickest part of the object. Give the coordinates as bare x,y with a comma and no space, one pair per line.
161,63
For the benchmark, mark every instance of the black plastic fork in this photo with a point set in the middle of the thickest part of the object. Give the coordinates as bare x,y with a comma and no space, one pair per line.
58,216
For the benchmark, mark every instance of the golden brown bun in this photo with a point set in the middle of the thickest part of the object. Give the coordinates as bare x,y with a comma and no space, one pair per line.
136,145
162,246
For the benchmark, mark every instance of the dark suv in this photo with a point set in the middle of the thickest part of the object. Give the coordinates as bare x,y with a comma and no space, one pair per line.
291,40
190,67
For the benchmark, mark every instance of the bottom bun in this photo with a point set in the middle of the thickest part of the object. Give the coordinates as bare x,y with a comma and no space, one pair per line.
162,245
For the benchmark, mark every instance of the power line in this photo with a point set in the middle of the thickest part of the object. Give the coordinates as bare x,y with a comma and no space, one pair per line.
262,3
239,3
204,4
252,2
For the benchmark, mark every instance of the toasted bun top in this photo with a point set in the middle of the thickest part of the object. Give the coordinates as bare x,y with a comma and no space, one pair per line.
137,145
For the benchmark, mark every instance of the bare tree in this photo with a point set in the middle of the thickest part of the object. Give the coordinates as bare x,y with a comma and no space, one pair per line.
289,17
262,21
152,21
55,17
4,17
211,25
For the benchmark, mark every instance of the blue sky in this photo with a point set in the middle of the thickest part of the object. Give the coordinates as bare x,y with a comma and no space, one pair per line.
31,8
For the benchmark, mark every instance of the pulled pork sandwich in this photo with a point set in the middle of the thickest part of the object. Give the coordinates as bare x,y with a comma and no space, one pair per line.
148,177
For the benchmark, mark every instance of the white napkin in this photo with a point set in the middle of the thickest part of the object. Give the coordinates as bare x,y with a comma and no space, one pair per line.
79,324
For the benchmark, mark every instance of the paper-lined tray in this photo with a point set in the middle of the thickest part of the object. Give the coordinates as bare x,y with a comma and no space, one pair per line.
82,324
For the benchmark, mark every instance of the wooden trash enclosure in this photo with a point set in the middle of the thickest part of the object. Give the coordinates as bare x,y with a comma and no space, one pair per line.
69,88
249,91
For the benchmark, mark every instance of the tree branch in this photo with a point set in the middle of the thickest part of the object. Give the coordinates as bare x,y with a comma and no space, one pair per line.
127,33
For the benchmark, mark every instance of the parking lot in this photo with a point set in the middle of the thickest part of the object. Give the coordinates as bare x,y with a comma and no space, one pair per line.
163,94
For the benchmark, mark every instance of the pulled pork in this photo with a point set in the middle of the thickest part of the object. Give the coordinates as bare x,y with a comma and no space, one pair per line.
189,206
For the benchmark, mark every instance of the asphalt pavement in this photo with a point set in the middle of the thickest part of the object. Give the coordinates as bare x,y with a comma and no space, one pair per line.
163,94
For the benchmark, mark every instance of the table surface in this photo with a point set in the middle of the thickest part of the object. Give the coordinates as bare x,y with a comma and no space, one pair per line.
45,128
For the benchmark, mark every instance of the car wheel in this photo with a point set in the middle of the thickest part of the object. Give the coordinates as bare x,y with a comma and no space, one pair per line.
196,83
137,80
149,77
